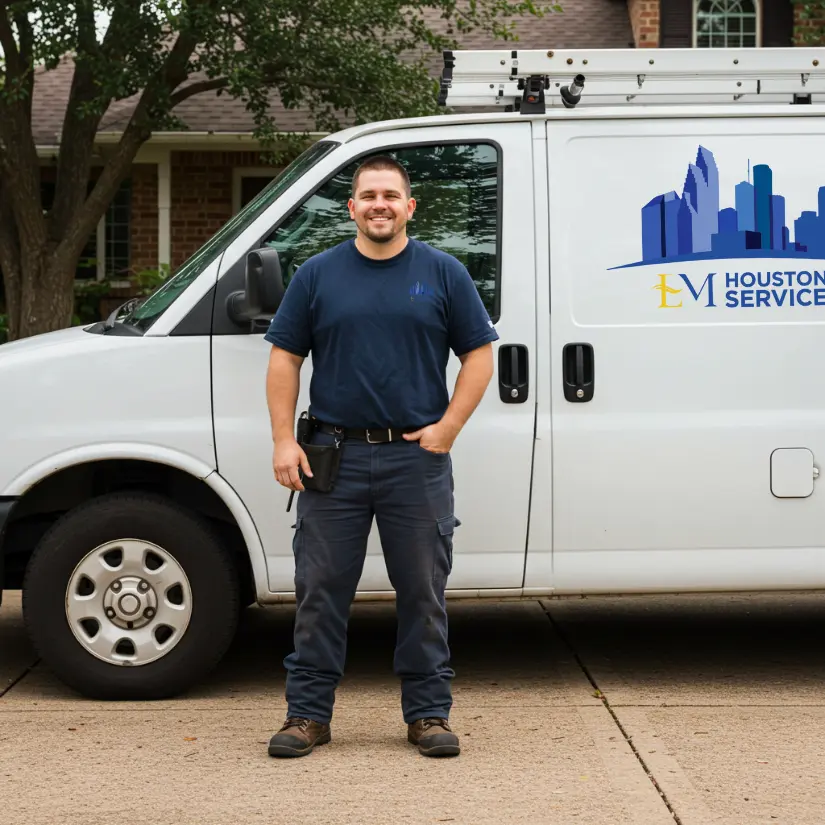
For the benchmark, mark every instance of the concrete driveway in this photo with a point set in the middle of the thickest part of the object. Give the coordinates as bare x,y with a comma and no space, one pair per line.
651,711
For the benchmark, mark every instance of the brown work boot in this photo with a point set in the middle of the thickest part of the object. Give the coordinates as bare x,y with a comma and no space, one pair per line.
434,737
298,737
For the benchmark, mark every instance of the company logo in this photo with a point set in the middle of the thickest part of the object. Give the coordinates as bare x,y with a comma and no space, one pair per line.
745,290
419,290
693,227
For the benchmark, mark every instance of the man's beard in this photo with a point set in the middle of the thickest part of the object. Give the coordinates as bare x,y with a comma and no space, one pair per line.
383,237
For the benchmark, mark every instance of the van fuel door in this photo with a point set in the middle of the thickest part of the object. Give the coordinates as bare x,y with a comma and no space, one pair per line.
792,472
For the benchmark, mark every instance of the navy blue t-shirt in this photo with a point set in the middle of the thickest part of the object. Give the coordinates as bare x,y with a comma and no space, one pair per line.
380,332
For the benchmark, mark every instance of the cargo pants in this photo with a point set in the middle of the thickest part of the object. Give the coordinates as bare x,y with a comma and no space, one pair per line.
409,492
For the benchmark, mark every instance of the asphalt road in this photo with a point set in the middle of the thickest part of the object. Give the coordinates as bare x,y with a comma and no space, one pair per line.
651,711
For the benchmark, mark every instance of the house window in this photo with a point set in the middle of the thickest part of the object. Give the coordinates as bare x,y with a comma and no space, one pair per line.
116,233
726,24
248,182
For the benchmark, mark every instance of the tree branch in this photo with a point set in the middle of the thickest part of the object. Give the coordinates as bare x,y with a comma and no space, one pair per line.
86,35
115,31
81,120
174,69
9,45
171,74
25,33
114,171
197,88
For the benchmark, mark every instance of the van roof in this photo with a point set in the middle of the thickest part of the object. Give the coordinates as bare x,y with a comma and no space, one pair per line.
632,112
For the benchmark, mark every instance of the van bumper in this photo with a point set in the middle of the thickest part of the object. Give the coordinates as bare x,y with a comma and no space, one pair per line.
7,504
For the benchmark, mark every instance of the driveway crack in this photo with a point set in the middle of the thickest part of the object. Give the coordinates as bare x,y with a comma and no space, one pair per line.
14,682
605,701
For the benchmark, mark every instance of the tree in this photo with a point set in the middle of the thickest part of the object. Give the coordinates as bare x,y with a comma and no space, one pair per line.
352,61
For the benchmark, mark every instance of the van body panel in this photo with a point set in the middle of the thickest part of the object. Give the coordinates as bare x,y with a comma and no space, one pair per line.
73,394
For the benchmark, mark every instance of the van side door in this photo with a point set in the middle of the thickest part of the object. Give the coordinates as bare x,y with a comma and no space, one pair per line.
473,186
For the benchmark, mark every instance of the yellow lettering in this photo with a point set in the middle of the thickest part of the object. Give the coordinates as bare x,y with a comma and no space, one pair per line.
666,290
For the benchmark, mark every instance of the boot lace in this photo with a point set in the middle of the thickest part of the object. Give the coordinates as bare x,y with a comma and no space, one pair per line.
426,724
296,722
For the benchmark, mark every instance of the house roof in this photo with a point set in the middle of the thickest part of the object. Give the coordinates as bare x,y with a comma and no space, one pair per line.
582,24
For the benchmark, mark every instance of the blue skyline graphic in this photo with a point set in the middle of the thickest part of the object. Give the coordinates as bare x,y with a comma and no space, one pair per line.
692,227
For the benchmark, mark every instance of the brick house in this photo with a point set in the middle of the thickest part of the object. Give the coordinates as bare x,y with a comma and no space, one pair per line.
185,185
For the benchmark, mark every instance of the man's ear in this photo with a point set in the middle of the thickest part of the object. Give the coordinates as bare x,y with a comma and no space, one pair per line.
351,207
411,204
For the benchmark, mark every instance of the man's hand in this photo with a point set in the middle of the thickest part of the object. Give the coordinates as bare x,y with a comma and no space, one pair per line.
437,438
287,459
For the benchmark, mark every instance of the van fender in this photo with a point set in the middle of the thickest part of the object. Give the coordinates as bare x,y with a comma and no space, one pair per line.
153,453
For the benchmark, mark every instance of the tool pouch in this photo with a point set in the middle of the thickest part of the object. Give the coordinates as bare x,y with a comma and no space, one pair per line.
324,461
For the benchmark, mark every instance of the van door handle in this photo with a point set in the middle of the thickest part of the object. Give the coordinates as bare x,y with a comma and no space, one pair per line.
513,374
578,372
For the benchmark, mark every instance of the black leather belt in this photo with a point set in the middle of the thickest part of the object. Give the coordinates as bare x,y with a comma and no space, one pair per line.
372,436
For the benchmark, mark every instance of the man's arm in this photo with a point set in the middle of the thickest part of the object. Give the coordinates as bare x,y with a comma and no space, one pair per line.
472,381
283,379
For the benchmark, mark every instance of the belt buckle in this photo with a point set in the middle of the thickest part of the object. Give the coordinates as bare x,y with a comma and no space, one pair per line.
370,441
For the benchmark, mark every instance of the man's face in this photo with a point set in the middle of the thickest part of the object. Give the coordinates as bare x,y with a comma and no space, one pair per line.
380,207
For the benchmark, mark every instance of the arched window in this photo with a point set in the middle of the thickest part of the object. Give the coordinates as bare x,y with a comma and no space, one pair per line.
726,23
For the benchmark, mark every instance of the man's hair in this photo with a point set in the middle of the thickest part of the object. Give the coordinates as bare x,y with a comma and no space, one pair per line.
381,162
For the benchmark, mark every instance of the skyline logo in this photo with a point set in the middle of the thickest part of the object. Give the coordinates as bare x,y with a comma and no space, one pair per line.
419,289
693,227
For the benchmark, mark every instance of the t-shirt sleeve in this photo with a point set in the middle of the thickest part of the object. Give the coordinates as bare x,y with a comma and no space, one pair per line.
469,322
291,328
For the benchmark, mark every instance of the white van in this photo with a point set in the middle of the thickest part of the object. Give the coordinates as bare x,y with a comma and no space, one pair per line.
656,274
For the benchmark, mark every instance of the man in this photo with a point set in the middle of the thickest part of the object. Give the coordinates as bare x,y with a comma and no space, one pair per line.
379,313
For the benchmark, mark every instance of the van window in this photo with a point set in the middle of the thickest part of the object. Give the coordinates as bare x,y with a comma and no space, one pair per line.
149,310
456,188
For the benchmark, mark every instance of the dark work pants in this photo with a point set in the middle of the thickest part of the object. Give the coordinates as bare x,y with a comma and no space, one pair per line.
409,491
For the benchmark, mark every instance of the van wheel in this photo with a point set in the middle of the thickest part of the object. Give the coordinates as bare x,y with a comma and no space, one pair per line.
131,596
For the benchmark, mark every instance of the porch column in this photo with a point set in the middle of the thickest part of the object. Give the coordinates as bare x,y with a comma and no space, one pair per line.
164,207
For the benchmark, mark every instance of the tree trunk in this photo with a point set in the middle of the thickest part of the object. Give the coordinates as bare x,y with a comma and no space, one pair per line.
39,295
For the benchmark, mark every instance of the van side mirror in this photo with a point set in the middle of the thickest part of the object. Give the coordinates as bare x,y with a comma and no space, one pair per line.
263,288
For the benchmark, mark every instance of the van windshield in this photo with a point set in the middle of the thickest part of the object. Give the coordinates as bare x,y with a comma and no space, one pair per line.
151,308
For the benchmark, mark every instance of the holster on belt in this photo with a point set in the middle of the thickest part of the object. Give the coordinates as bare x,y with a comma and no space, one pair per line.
324,459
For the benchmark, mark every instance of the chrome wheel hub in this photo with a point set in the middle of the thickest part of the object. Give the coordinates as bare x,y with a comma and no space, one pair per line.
128,602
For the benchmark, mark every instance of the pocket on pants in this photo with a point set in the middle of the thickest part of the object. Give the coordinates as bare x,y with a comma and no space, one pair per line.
298,548
446,529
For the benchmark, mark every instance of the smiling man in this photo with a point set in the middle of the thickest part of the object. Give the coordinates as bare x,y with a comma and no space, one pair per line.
380,314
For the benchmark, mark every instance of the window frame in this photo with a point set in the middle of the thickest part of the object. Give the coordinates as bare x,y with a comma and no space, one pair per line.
241,172
103,259
495,316
694,21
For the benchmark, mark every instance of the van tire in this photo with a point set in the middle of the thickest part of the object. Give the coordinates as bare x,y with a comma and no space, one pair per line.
194,546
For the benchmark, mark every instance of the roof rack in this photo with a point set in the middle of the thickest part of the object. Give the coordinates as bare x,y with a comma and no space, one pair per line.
522,80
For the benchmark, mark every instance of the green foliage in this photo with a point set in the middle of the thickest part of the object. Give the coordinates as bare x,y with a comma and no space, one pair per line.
88,294
810,30
335,58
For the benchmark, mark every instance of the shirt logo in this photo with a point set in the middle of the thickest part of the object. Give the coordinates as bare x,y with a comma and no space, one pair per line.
420,290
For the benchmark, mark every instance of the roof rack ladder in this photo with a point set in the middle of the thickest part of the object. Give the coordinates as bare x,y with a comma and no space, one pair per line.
523,80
